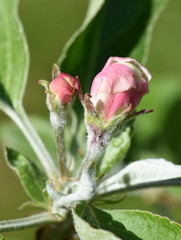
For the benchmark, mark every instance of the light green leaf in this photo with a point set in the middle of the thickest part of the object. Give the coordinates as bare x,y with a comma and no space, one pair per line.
111,28
12,137
14,55
30,176
142,174
115,152
1,238
14,65
146,225
87,232
102,220
74,139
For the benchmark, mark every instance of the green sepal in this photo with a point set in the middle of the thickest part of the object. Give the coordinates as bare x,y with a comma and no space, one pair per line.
32,179
44,83
93,120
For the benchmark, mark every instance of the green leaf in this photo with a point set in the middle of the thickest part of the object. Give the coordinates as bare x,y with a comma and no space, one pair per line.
146,225
111,28
156,125
30,176
141,50
87,232
142,174
14,66
115,152
14,55
74,139
1,238
12,137
102,220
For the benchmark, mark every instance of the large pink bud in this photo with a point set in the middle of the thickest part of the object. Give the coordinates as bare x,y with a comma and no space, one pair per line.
64,87
119,87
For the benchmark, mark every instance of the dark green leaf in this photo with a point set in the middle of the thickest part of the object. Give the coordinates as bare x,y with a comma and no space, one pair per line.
111,28
30,176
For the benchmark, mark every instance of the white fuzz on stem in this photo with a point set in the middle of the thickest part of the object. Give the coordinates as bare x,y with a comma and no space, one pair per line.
57,120
85,187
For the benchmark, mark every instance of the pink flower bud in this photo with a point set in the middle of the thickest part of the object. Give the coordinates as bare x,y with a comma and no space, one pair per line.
64,87
119,87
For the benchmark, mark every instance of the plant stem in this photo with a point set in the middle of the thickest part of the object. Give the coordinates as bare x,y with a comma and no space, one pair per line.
27,222
60,143
58,121
85,186
96,143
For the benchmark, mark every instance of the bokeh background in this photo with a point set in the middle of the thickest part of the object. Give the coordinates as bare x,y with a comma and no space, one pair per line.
48,25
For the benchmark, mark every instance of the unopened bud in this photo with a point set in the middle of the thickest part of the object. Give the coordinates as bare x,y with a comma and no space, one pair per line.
119,87
64,88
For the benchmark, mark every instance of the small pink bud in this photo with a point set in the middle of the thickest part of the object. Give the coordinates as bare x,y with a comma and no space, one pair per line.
64,87
119,87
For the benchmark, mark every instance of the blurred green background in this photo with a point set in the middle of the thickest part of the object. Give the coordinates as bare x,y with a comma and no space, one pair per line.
48,25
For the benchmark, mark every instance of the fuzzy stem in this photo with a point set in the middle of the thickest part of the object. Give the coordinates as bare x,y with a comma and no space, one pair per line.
60,143
27,222
86,185
84,192
57,120
96,144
